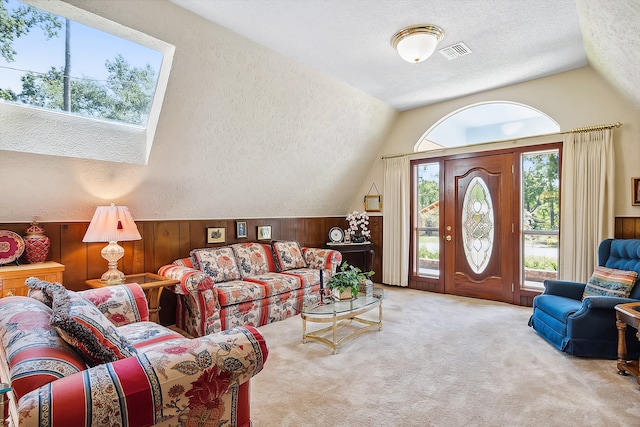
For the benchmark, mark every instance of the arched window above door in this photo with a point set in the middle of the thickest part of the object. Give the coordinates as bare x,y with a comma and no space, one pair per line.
486,122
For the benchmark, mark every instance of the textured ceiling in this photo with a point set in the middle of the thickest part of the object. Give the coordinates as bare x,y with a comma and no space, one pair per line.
511,41
611,32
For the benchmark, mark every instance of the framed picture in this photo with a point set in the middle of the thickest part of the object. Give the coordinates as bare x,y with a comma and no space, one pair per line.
635,191
264,232
373,203
216,234
241,229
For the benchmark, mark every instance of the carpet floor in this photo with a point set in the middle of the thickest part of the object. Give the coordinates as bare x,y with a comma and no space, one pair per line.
440,360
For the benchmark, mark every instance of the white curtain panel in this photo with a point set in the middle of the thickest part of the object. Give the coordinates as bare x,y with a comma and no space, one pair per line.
586,207
395,209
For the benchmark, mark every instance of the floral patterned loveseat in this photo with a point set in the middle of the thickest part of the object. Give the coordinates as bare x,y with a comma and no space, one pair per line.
92,358
246,283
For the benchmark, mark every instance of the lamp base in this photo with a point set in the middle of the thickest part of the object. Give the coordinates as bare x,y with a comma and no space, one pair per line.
113,277
112,253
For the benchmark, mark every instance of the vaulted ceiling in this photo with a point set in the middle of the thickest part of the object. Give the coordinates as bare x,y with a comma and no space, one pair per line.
510,41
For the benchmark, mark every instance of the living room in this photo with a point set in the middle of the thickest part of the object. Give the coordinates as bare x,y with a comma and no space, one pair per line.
246,133
244,129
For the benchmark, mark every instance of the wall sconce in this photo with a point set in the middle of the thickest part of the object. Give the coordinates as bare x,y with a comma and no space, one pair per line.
112,224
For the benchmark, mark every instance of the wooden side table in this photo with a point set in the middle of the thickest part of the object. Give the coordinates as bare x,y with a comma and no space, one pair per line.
12,277
627,314
364,249
151,283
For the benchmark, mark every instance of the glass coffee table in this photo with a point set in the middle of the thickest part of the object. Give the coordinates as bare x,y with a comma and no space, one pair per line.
340,313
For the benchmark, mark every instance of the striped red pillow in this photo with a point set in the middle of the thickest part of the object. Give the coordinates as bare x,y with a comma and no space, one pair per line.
610,282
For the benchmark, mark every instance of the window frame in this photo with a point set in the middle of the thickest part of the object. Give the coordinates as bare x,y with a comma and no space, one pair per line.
424,144
524,287
415,247
36,130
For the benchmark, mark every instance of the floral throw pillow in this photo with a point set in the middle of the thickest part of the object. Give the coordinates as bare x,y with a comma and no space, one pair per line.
253,258
217,263
610,282
84,327
288,255
120,304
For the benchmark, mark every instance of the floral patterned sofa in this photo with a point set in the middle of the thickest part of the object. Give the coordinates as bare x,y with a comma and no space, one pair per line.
246,283
92,358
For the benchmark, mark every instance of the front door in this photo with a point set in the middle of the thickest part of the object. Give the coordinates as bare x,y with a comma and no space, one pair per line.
478,227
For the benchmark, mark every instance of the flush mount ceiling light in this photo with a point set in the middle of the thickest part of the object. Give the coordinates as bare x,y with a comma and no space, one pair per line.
417,42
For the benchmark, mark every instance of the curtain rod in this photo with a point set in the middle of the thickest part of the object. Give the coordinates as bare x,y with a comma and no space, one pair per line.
584,129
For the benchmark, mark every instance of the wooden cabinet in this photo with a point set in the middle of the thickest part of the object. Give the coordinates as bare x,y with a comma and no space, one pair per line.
12,277
360,255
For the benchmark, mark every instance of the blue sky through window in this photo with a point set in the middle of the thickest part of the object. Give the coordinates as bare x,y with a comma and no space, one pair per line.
90,49
486,122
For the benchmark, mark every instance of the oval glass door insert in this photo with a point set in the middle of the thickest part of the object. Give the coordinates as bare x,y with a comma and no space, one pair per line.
477,225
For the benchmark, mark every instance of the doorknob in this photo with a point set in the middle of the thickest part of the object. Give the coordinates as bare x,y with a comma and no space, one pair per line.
448,237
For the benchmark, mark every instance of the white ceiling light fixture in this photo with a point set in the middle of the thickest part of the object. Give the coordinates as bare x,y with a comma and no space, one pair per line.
417,42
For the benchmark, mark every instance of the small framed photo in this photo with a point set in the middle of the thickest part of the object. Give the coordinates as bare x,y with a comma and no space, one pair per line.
264,232
216,234
635,191
241,229
373,203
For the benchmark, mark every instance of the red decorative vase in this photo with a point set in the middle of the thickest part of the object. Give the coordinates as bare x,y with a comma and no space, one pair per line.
36,244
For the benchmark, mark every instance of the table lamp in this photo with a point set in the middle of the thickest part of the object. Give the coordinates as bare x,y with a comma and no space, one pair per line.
112,224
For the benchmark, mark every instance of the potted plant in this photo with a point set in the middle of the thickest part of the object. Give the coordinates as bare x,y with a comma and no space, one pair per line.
346,282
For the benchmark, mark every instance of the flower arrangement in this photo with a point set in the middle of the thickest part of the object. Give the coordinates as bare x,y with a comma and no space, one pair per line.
358,226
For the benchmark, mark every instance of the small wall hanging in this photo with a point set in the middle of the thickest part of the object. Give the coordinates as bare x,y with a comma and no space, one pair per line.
373,203
635,191
264,232
241,229
216,234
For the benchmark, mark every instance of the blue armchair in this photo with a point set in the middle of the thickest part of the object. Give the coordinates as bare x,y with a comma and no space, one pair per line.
587,327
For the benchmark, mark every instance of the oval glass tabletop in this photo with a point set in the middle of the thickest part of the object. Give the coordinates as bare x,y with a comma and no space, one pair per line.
311,304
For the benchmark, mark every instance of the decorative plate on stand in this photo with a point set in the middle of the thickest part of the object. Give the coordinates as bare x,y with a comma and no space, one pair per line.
11,246
336,234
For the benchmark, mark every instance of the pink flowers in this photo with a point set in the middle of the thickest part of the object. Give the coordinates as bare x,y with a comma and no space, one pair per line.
225,261
182,348
101,296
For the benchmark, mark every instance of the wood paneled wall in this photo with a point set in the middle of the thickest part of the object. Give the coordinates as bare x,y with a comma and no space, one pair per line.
165,241
627,228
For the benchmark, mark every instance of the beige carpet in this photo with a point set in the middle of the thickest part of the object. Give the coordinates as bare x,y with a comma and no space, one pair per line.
440,360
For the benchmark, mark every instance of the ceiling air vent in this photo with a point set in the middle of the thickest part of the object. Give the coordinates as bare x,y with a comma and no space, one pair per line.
455,51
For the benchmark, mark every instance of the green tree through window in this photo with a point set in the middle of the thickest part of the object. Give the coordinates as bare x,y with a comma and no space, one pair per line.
540,216
540,190
124,95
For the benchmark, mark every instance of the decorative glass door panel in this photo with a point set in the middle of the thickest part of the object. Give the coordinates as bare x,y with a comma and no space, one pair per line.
477,225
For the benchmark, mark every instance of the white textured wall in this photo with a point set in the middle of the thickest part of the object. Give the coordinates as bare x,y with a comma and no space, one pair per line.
244,132
37,130
574,99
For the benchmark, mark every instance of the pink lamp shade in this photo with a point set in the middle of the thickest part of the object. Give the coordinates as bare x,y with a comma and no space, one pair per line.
112,224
